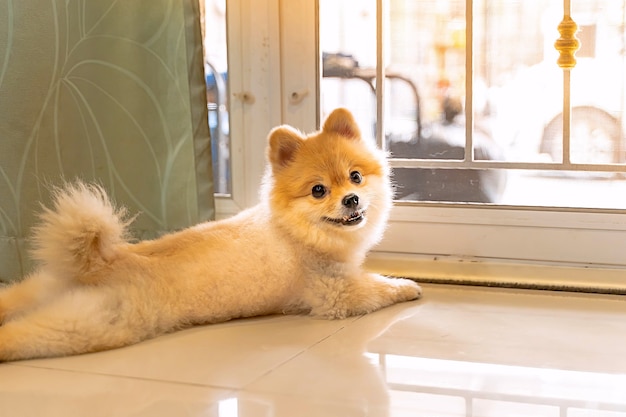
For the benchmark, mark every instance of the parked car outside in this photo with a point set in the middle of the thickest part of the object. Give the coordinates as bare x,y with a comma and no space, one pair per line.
528,110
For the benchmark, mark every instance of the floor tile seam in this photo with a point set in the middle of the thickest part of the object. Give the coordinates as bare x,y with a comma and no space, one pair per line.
230,390
298,354
531,348
336,398
572,399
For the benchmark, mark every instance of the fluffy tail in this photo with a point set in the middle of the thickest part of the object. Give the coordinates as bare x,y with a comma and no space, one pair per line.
79,235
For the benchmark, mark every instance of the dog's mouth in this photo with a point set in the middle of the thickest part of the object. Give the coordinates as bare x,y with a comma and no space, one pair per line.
351,220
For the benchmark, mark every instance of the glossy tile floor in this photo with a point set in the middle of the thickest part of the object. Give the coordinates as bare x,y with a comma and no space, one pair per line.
460,351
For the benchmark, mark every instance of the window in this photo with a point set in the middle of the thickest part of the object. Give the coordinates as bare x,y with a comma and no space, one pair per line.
216,74
473,102
478,80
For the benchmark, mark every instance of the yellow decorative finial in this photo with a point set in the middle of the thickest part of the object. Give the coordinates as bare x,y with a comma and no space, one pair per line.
567,44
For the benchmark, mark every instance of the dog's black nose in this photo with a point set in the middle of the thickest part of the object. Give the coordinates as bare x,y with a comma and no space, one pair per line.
351,201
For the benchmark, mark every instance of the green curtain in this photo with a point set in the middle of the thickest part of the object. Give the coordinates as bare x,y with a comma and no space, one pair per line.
103,90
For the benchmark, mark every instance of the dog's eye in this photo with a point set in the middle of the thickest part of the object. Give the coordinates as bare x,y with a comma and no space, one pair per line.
318,191
356,177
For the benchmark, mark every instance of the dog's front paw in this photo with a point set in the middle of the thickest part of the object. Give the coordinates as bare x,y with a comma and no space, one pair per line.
408,290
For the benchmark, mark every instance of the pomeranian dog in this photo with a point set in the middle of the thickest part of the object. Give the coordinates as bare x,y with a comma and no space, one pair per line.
324,203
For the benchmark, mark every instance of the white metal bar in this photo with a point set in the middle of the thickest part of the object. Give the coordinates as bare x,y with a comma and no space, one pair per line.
567,117
380,74
567,108
469,75
484,164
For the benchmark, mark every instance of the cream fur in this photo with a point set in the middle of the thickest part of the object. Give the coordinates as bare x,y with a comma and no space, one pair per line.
95,290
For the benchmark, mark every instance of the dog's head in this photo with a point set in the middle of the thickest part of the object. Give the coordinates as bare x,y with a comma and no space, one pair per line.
331,188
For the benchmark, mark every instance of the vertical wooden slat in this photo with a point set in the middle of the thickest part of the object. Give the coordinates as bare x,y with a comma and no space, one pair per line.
300,64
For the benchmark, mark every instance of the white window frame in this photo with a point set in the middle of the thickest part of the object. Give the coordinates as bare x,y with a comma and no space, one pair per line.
274,79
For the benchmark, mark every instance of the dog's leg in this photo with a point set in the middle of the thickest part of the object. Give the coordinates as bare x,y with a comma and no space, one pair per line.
337,298
20,297
79,321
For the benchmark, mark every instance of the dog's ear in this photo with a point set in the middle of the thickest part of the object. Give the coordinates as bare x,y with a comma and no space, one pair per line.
342,122
284,143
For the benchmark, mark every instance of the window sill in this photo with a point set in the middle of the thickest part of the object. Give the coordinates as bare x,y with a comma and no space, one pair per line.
500,273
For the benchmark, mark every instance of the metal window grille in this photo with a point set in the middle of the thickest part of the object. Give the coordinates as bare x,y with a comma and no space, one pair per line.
567,45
